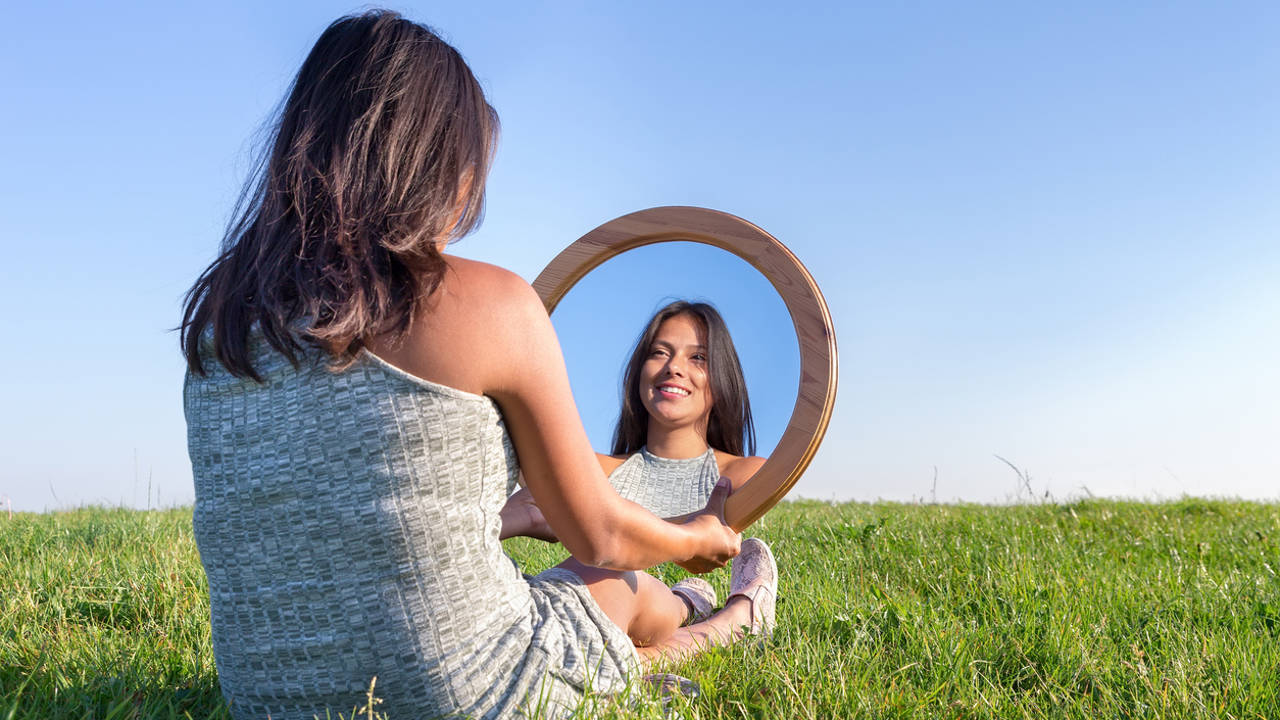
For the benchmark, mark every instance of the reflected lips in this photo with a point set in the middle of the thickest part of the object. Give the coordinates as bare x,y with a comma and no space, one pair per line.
672,390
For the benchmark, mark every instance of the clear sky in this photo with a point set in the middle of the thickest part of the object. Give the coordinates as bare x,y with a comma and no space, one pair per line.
1046,231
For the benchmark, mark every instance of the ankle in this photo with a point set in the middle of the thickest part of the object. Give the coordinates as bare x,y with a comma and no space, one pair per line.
689,610
738,607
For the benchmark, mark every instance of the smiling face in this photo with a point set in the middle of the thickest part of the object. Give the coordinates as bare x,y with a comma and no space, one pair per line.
674,384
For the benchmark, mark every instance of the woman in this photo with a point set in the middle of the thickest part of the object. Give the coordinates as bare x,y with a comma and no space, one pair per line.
685,420
354,417
682,428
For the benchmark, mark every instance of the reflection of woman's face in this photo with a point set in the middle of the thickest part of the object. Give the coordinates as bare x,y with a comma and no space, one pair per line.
674,386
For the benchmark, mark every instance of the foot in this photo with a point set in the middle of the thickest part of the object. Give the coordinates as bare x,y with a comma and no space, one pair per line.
755,578
698,595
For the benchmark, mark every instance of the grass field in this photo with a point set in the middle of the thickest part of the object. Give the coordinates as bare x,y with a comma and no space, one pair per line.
1094,609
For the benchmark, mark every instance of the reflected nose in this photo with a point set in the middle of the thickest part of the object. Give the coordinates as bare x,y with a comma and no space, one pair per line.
673,367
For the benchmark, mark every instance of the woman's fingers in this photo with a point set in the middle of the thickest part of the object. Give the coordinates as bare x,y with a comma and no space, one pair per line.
721,542
720,493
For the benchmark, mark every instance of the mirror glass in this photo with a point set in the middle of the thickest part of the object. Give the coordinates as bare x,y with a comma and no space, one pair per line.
599,320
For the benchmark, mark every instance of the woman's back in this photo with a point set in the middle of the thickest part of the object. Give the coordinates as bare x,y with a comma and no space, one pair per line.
348,523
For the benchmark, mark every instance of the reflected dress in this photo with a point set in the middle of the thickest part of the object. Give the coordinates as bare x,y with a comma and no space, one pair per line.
665,486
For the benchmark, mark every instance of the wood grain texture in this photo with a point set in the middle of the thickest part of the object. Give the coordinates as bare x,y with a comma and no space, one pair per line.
815,334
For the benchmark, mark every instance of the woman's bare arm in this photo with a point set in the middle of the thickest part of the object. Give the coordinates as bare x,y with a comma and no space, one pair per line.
485,330
563,473
609,463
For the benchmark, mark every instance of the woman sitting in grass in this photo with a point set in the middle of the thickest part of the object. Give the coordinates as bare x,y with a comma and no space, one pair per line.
684,422
357,402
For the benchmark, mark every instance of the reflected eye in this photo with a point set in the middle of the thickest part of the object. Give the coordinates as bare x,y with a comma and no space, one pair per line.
700,357
657,352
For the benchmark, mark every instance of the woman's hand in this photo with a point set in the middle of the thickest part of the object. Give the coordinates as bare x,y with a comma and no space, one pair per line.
521,516
720,543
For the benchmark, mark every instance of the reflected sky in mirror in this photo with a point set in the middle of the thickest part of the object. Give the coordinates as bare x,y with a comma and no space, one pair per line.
601,317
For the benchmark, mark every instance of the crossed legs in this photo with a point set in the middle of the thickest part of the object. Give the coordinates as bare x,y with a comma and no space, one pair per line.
651,614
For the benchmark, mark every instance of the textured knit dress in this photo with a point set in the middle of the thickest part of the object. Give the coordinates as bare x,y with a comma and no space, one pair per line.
348,524
664,486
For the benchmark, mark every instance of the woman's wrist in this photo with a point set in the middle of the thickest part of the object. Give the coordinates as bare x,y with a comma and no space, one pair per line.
699,535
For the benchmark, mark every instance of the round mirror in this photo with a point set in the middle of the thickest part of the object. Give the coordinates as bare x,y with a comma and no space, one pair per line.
812,396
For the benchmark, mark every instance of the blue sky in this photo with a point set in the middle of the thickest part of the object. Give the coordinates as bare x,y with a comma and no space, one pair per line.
1045,231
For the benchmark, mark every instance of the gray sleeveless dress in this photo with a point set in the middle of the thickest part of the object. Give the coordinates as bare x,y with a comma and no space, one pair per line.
348,524
667,487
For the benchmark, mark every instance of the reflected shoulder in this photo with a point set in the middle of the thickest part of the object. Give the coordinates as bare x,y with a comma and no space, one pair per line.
609,463
738,469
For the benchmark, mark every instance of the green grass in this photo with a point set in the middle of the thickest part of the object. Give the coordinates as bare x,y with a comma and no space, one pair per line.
1094,609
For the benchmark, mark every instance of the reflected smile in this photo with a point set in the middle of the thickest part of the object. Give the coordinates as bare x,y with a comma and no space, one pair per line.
673,390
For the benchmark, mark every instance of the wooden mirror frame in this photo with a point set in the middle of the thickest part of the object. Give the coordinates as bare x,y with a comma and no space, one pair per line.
814,331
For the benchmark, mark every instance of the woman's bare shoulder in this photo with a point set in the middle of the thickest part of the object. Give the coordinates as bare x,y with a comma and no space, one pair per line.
738,469
609,463
485,283
498,305
466,331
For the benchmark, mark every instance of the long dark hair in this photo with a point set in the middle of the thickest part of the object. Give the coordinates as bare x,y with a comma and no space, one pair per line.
384,135
730,426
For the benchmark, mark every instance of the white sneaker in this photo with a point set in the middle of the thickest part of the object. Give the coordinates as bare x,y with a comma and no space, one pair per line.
755,577
700,596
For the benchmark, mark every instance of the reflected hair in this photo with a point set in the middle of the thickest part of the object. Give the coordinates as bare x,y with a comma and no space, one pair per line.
730,427
379,151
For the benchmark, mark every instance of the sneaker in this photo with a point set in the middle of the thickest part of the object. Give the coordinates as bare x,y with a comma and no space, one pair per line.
700,596
755,577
